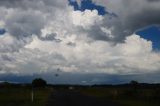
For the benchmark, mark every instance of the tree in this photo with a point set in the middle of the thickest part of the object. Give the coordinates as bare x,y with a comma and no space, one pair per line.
39,82
134,82
135,88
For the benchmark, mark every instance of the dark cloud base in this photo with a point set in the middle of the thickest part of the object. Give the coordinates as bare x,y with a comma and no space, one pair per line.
84,79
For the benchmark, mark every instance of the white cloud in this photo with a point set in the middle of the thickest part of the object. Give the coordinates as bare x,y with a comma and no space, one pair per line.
86,19
43,38
136,45
133,56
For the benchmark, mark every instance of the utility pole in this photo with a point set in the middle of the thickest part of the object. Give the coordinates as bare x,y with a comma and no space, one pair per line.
32,94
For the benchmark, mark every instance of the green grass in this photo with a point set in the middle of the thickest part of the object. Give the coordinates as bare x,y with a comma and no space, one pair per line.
21,96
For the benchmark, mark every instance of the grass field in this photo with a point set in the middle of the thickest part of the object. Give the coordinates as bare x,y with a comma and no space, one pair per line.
126,96
21,96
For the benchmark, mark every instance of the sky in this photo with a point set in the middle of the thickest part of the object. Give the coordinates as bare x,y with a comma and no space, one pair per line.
80,41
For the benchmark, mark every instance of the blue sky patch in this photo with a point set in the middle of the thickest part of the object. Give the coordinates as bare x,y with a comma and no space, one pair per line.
87,4
2,31
153,34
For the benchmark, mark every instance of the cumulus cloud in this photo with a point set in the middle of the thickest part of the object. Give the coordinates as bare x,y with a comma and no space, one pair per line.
24,23
86,19
46,35
132,15
132,57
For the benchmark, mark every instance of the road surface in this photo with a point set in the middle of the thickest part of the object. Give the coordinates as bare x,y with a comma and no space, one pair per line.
72,98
